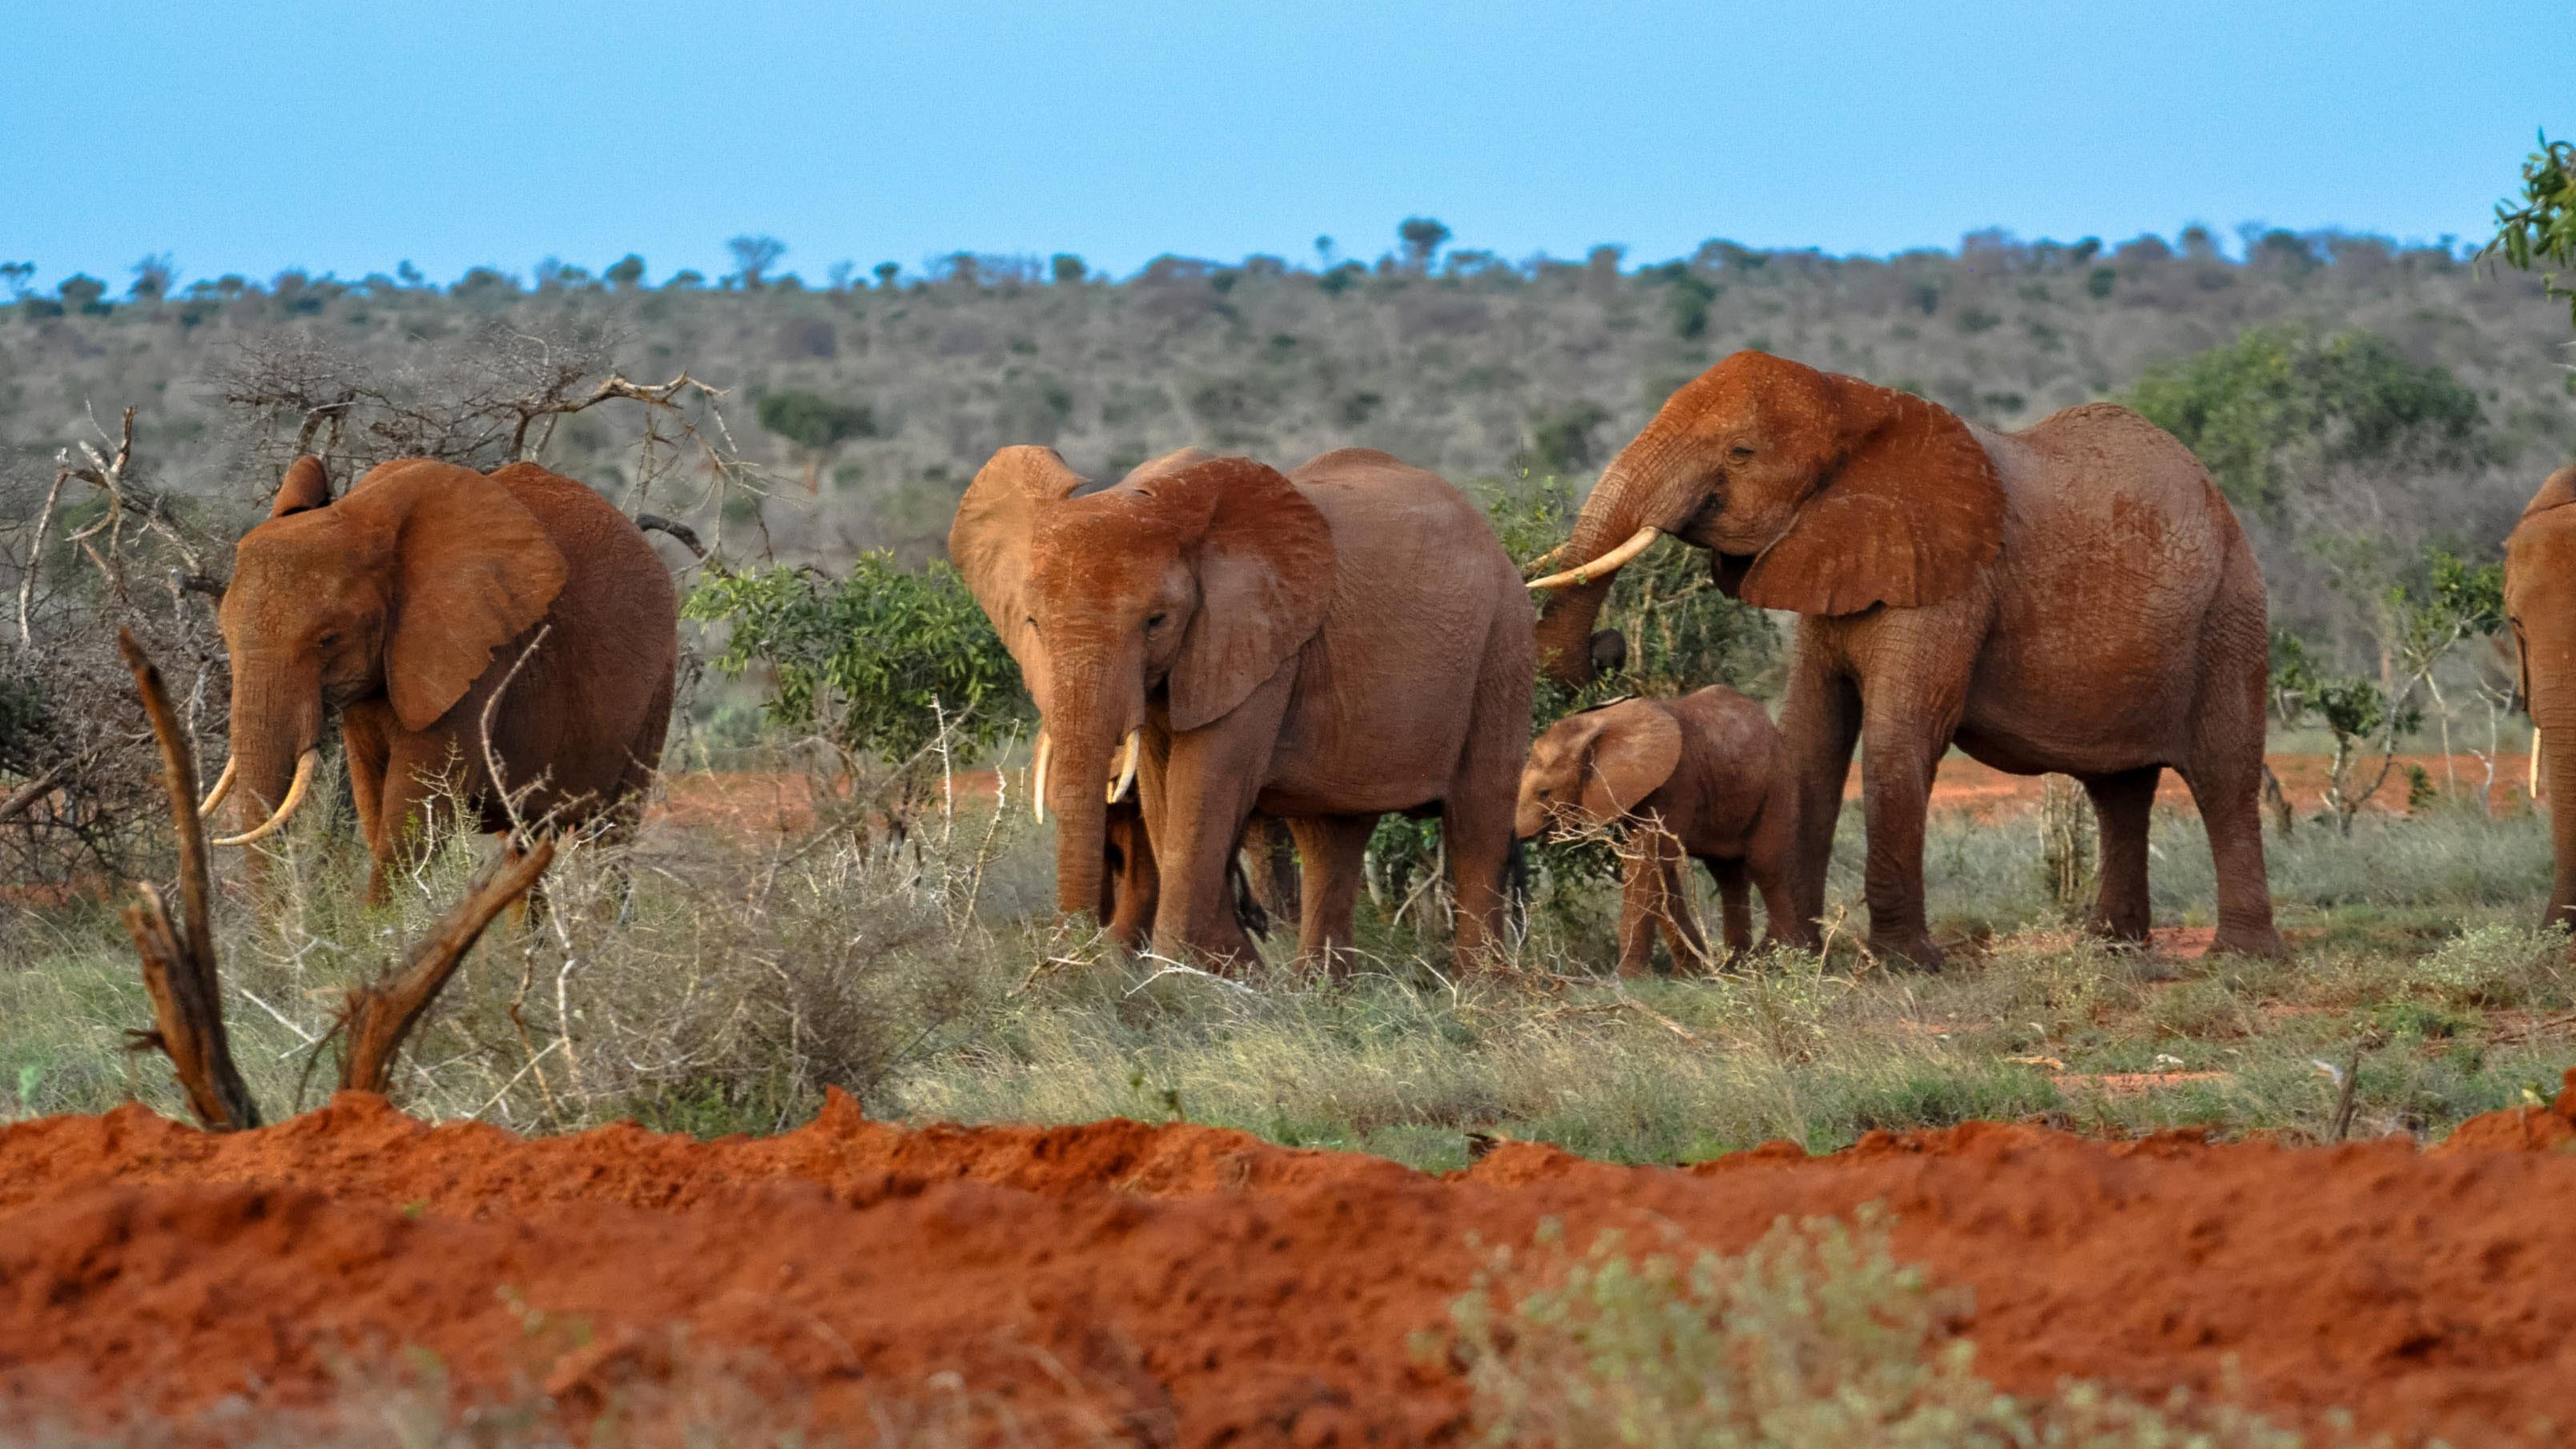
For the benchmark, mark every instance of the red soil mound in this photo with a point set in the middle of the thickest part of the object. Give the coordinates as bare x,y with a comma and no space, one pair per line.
1201,1285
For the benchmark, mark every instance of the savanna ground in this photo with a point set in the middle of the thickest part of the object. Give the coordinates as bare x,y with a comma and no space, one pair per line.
356,1277
753,966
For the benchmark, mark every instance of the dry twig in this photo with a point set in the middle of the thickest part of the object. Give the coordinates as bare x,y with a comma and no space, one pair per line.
179,964
381,1016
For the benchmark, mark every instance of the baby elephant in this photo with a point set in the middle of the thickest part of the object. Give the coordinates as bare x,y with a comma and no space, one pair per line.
1704,775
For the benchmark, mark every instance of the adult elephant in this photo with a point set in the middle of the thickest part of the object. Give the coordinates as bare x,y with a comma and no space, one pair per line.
2540,601
2075,597
407,606
1323,646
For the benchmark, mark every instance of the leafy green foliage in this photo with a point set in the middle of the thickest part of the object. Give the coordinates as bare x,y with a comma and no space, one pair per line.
2268,411
875,661
1816,1337
813,421
2543,227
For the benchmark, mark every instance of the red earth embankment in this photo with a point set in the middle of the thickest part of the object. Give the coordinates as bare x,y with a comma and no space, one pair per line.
1200,1285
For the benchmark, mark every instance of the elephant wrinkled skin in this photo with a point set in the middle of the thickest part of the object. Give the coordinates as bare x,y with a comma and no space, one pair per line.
1323,647
1704,777
405,604
2075,597
2540,602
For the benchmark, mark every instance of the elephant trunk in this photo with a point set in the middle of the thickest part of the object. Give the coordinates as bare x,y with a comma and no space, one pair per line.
2554,738
1091,745
276,722
1612,516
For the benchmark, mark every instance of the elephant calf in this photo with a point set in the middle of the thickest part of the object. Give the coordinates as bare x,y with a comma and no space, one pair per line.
1705,775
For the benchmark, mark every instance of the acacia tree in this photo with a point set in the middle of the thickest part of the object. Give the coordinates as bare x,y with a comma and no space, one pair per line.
817,424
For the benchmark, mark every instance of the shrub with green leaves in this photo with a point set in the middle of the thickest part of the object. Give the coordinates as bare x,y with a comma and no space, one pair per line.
879,661
1816,1338
2267,412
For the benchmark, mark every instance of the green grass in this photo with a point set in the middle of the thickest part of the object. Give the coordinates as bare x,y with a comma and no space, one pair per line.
929,980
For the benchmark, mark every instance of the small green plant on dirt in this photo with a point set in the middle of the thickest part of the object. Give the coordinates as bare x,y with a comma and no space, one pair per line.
1815,1338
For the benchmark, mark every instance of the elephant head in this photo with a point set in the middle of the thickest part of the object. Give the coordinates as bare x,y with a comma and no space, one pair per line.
1592,767
1812,491
1191,582
403,588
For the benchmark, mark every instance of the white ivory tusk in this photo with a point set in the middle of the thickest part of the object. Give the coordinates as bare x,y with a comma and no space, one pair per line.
1608,563
223,787
2533,789
1038,776
285,808
1130,753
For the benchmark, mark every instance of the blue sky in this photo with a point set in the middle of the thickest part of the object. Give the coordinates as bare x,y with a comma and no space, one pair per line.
253,137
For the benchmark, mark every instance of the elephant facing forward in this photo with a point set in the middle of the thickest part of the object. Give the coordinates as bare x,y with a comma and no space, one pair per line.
1704,777
404,607
1324,646
2075,597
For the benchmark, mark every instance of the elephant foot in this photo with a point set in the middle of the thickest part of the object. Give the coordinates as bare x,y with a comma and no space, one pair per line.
1915,951
2261,941
2118,932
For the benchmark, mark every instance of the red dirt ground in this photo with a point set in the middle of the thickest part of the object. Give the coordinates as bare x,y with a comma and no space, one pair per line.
1197,1286
756,802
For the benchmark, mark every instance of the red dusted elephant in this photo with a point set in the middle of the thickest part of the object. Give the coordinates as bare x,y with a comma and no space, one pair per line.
404,606
2075,598
1323,647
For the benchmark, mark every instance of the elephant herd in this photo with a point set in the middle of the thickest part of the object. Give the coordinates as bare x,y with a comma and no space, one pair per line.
1214,645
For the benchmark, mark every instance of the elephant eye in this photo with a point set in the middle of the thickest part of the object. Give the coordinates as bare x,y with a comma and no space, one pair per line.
1740,452
1155,621
328,638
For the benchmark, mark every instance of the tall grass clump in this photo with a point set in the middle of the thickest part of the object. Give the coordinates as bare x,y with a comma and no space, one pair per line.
1815,1338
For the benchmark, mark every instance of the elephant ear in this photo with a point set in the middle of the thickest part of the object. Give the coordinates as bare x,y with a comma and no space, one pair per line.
1634,753
989,543
1265,572
473,570
306,486
1910,515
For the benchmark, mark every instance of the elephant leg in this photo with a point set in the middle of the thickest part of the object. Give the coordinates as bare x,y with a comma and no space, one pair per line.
1904,736
362,739
1333,849
413,781
1769,856
1195,818
1640,905
2121,805
2226,770
1478,834
1131,888
1734,904
1820,720
2231,810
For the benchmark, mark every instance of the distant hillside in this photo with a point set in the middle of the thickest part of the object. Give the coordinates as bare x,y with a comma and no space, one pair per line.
1464,363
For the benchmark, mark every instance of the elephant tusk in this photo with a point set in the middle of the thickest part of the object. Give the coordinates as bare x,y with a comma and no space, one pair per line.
1133,750
2533,789
1549,557
223,787
1608,563
1038,776
285,808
